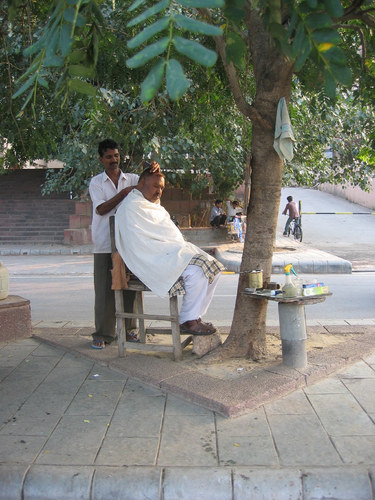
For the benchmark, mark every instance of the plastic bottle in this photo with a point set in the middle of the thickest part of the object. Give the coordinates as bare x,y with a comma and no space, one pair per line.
290,289
4,282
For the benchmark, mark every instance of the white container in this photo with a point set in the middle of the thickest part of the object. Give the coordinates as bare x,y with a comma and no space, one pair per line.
4,282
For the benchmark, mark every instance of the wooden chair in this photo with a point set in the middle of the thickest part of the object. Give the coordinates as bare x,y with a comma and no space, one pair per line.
134,284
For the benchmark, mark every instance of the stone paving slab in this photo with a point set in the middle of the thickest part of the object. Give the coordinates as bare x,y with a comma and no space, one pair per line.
227,397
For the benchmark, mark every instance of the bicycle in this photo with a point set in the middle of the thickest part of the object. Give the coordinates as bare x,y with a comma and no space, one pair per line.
295,228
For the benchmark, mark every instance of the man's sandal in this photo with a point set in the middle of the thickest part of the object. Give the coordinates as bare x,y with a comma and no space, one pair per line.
97,344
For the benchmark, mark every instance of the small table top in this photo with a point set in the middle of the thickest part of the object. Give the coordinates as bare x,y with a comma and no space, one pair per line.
301,300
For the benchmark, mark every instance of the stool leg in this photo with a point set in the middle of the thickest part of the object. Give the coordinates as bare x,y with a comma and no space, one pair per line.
120,322
141,322
175,326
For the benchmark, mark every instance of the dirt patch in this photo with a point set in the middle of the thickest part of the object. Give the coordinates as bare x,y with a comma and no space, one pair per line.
237,367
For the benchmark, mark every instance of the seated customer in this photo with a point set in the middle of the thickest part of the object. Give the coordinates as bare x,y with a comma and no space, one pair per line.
154,249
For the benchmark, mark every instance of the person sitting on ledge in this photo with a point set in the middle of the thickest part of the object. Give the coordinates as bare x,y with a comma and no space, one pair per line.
155,251
217,216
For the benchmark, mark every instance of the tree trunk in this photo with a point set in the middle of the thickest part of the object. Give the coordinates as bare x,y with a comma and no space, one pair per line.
273,76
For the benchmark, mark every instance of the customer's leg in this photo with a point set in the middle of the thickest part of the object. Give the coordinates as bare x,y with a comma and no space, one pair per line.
198,293
209,294
105,321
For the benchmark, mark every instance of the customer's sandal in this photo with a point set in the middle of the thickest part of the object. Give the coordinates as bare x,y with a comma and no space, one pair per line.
197,327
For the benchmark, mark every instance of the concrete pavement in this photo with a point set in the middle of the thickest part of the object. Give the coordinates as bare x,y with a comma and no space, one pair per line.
73,428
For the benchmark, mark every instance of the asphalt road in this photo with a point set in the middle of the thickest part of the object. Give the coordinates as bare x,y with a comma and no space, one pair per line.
60,288
62,291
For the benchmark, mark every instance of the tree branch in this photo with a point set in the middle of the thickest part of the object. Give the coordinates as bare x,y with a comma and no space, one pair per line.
243,106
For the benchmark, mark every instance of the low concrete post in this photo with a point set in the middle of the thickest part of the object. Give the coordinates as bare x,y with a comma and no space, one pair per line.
293,334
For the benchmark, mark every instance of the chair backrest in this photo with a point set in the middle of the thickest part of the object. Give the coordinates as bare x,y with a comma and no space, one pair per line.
112,232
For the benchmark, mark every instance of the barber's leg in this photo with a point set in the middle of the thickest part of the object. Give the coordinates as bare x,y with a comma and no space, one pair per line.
105,321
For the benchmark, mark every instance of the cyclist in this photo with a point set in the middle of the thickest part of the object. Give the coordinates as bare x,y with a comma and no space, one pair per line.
293,213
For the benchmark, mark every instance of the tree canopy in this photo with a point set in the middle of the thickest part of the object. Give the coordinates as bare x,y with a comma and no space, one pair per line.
77,53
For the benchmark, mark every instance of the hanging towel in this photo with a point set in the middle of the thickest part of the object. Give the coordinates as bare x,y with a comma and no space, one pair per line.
284,134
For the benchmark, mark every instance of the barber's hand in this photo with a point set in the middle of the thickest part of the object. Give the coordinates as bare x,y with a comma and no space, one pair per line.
155,167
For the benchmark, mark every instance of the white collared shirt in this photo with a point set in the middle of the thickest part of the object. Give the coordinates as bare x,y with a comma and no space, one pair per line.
103,189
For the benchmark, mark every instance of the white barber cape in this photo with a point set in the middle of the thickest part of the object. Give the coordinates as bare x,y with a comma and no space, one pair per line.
150,244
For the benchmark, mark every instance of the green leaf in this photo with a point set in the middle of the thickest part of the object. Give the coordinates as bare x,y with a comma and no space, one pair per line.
52,44
28,99
29,51
42,81
234,14
201,4
235,49
69,15
152,82
329,84
82,87
196,26
342,74
298,39
177,83
334,8
318,20
195,51
335,56
32,68
148,32
136,4
81,71
25,86
76,56
53,61
148,53
155,9
326,35
312,3
303,54
65,41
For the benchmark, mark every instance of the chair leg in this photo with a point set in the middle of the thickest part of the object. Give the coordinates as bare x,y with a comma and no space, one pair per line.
141,322
175,326
120,322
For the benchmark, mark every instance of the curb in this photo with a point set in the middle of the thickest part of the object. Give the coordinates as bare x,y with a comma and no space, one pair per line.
23,482
304,262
